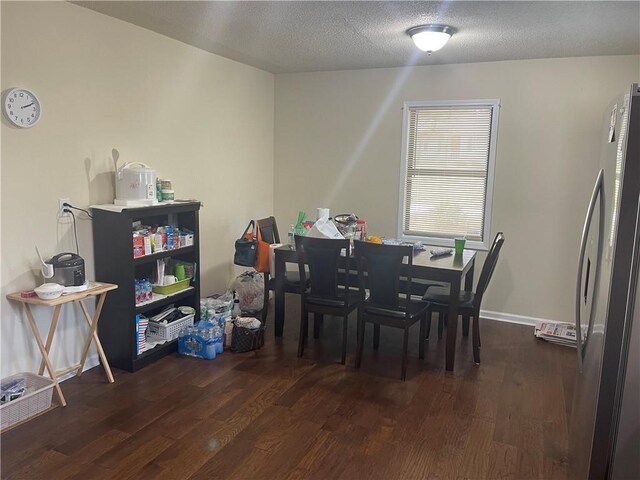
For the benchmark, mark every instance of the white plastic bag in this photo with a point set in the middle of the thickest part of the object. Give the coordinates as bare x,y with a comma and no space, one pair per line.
250,289
324,228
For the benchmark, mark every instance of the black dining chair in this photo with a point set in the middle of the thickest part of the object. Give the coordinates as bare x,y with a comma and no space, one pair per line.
438,298
269,231
379,271
325,295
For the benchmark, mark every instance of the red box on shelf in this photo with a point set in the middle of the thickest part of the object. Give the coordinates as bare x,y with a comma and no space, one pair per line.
138,245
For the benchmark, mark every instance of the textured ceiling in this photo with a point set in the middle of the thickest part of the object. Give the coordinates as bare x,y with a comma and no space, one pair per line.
306,36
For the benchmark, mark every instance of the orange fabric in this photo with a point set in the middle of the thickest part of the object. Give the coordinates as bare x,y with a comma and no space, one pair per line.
262,259
249,234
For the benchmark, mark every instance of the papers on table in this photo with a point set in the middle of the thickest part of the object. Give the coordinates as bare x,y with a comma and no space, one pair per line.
395,241
560,333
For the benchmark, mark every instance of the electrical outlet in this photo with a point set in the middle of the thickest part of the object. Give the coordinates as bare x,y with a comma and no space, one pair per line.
61,202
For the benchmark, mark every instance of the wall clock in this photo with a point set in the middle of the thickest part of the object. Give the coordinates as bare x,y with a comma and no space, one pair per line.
22,108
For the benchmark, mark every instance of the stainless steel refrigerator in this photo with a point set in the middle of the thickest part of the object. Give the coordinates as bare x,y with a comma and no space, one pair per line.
604,428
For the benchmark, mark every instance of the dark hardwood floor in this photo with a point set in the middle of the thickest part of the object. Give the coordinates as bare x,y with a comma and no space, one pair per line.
274,416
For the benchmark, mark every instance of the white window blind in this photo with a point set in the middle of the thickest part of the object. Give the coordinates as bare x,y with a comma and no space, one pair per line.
448,170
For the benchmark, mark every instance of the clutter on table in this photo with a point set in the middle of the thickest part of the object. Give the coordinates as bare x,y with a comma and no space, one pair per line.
439,252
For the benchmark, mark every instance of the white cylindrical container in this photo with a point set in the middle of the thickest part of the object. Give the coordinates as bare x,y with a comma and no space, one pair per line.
323,212
135,185
272,258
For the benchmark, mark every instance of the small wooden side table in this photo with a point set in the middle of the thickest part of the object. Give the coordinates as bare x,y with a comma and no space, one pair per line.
95,289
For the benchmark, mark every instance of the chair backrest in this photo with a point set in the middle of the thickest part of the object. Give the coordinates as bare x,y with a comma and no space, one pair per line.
269,230
382,266
322,255
488,268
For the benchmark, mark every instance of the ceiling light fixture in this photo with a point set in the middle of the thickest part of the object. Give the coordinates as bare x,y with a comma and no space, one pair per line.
430,38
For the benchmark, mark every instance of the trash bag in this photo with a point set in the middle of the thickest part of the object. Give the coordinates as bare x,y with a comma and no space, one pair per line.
249,286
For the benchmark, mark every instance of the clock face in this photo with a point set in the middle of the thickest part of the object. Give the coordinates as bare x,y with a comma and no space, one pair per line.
22,108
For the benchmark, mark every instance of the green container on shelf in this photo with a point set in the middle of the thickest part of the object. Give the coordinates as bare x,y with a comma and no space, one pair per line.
173,288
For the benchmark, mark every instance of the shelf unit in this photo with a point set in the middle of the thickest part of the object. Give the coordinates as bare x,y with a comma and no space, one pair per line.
114,263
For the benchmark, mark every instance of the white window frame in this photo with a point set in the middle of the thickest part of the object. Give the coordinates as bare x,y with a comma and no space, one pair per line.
486,231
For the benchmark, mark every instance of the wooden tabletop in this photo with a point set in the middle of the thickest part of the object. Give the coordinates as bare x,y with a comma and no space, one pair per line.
423,258
95,288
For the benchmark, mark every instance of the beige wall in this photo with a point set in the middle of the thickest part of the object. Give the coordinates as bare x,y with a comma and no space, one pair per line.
202,120
337,144
104,83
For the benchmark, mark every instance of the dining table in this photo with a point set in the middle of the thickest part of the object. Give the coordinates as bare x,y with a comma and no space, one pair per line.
451,269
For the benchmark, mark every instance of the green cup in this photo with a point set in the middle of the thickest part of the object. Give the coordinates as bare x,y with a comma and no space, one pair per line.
180,273
459,243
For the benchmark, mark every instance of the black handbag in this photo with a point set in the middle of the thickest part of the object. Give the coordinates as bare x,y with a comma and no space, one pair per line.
247,339
246,247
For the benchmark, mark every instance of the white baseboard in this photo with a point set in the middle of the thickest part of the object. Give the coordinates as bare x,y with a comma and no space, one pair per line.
92,361
513,318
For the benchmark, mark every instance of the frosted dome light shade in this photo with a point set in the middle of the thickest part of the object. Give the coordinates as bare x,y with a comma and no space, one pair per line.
430,41
430,38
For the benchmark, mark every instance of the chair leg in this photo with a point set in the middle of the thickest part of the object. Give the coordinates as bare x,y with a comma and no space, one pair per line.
361,325
423,322
304,320
476,339
441,318
405,347
376,336
265,302
465,326
317,323
345,324
429,314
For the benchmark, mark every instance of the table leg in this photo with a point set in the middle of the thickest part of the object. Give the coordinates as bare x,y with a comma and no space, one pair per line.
44,353
452,324
317,324
468,286
93,336
52,329
279,295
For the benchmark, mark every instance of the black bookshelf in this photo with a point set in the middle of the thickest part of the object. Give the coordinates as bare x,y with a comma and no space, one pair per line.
114,263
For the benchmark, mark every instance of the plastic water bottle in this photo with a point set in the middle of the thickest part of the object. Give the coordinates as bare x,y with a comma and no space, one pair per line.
209,342
236,312
291,235
218,340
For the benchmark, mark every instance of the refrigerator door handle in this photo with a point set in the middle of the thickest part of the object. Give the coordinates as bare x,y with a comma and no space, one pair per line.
597,190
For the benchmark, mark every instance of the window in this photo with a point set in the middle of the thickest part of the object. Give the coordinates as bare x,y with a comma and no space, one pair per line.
446,181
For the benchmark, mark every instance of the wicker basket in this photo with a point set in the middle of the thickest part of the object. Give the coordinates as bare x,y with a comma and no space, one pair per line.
37,399
157,331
